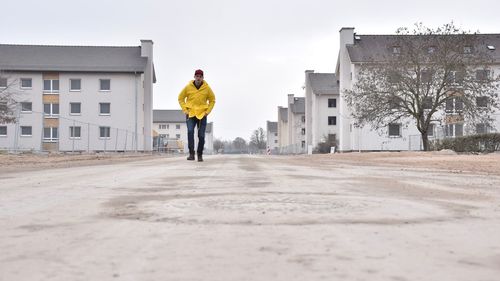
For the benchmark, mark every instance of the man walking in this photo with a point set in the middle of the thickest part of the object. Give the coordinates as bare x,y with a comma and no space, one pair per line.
197,101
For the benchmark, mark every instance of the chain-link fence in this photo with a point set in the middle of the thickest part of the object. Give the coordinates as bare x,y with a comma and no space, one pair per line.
292,149
49,131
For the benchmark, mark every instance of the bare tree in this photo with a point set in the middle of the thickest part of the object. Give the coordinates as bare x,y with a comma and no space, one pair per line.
425,75
7,101
218,145
258,139
240,145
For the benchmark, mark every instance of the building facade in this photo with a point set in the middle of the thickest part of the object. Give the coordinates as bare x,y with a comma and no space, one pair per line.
78,98
355,50
282,127
171,130
321,110
272,137
296,124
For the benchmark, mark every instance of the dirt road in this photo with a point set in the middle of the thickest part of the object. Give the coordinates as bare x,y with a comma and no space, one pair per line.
250,218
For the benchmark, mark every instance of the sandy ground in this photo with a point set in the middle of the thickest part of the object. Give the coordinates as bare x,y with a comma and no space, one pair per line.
377,216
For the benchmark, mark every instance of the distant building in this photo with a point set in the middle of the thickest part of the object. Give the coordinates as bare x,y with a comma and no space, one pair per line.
171,129
291,126
356,50
322,96
282,127
272,136
78,98
296,124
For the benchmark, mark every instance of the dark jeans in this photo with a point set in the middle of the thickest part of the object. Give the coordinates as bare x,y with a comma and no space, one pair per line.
202,126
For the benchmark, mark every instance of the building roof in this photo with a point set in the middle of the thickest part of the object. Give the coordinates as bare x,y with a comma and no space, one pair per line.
283,114
298,106
369,48
71,58
272,127
168,116
324,83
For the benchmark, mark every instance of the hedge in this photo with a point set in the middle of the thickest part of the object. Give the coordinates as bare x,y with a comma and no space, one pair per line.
471,143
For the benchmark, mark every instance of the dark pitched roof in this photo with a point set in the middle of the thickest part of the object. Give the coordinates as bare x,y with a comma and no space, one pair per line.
298,105
71,58
168,116
283,114
378,47
324,83
272,127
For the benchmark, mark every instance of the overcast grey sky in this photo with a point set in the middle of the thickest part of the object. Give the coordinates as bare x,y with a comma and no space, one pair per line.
253,53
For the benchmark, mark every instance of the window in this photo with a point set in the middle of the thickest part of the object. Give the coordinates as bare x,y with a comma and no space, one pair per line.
177,136
454,130
75,108
454,105
431,50
459,130
104,132
482,101
75,132
275,134
50,134
481,129
482,74
332,102
104,108
396,50
178,126
162,136
3,82
467,50
275,141
26,83
75,85
3,131
303,131
394,130
427,103
51,109
430,130
105,84
456,77
26,131
332,120
303,119
426,76
51,86
303,144
162,126
26,107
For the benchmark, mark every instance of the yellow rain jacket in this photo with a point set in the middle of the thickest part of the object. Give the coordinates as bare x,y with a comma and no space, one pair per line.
197,102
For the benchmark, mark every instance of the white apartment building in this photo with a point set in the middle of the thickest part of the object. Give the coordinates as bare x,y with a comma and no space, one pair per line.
296,123
292,126
78,98
357,49
321,110
282,127
171,128
272,136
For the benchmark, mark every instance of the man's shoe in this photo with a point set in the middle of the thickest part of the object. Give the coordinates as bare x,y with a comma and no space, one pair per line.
200,158
191,157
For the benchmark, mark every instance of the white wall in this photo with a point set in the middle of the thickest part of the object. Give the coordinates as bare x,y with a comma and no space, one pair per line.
124,90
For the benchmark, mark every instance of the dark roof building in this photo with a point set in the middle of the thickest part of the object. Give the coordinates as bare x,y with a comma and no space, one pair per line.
73,58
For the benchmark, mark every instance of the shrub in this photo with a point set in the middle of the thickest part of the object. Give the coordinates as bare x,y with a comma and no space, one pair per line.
472,143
